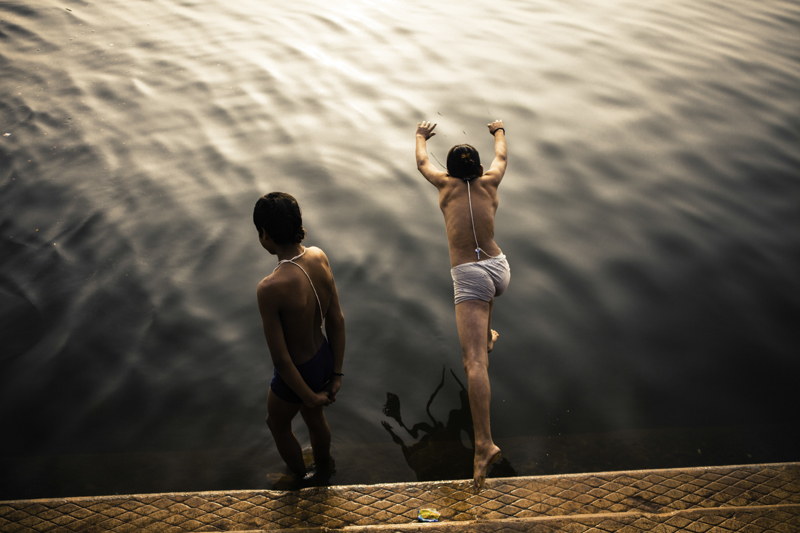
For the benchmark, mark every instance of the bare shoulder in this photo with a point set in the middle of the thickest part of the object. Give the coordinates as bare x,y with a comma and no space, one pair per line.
317,256
269,287
493,177
437,178
449,190
496,171
277,285
316,251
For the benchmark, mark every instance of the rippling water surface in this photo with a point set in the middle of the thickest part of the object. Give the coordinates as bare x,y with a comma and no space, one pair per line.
650,214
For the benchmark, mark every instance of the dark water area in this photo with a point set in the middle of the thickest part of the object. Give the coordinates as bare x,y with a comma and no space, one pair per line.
650,215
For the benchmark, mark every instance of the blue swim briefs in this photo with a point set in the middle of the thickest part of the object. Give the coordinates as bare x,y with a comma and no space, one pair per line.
316,372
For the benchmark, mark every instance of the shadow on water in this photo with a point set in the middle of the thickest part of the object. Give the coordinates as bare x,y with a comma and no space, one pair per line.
441,452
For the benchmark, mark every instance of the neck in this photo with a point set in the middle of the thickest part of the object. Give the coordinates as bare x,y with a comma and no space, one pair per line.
288,251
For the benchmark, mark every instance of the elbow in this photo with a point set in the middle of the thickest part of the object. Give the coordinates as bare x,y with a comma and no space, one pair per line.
335,322
282,365
338,319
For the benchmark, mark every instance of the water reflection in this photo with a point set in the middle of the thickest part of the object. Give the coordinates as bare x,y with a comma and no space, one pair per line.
441,452
648,211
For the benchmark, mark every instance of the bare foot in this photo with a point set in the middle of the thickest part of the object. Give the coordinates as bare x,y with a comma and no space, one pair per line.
481,466
495,335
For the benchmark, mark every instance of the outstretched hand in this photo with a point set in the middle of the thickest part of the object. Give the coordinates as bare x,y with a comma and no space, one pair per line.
496,125
425,129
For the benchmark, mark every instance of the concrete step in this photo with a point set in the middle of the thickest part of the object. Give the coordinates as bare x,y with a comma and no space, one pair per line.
748,498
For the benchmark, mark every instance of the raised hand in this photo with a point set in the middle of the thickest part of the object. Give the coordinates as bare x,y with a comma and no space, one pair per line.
496,125
425,129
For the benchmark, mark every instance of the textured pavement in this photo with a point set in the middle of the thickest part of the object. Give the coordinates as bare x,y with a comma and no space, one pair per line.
752,498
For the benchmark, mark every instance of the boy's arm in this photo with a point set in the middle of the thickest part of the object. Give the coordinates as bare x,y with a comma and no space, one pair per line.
424,165
268,298
498,168
334,327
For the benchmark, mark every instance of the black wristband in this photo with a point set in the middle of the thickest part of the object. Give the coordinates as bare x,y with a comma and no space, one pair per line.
337,374
498,129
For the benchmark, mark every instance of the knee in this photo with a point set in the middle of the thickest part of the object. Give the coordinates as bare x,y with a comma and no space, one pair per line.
473,366
315,419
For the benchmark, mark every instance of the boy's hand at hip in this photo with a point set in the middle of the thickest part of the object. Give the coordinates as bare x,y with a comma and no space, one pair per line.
333,387
319,399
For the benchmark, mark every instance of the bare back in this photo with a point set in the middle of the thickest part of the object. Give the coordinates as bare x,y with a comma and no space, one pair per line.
454,197
454,203
297,305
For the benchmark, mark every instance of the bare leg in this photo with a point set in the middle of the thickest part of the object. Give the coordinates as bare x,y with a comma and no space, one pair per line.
279,420
472,318
320,434
492,334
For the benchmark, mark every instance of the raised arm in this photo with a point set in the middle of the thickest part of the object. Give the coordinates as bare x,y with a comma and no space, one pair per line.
424,165
498,168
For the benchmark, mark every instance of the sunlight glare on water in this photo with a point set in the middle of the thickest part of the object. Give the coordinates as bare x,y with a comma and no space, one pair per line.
649,214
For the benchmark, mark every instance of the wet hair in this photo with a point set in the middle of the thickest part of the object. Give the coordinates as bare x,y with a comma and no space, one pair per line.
278,214
463,162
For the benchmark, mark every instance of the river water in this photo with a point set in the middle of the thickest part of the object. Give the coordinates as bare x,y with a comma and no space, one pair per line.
650,214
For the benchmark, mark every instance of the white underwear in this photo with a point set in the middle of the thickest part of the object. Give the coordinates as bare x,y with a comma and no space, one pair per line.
482,280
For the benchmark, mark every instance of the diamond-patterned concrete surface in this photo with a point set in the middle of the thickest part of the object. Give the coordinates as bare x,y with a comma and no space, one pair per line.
716,520
715,499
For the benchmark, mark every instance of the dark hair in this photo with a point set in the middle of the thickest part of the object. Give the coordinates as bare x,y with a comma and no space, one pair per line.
463,162
278,214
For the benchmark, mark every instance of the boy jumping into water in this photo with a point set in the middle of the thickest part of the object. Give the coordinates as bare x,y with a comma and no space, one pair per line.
468,199
294,301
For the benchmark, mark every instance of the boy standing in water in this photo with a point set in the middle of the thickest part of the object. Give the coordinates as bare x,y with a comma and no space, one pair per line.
294,301
468,199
